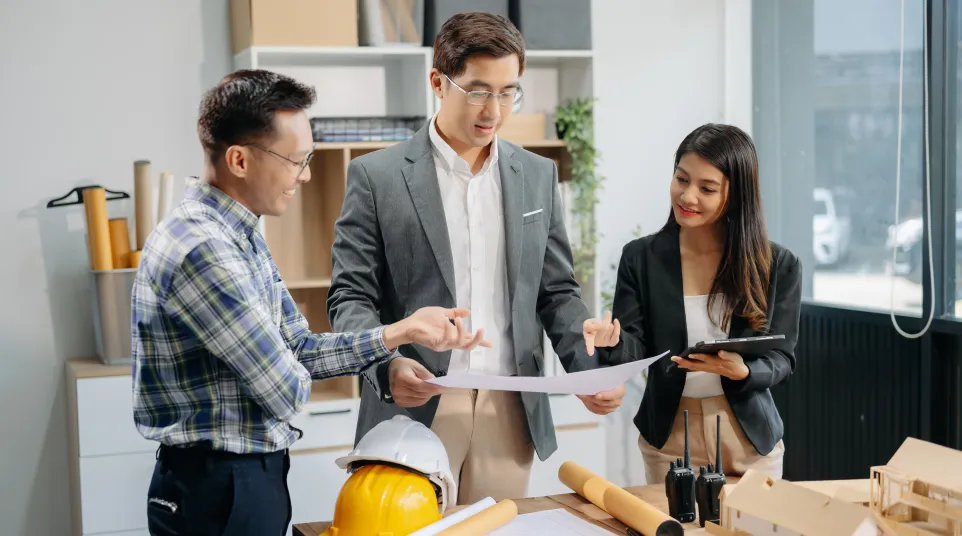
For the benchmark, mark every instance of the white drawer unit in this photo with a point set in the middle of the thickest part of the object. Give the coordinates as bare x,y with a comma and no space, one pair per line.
114,491
111,463
330,423
581,438
105,419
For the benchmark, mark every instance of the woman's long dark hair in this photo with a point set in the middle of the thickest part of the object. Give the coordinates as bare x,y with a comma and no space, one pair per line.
745,267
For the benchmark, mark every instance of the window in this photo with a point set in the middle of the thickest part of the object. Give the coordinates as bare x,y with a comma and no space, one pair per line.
826,101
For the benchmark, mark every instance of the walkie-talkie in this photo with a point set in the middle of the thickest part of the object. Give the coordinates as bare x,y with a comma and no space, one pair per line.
680,486
710,483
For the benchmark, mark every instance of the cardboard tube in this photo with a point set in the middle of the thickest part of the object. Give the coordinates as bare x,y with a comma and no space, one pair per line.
484,521
143,201
450,520
618,503
119,242
98,230
133,259
640,515
165,195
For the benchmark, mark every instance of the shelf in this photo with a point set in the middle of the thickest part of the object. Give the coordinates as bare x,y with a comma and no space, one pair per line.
339,388
330,56
309,283
558,54
375,145
354,145
272,54
539,144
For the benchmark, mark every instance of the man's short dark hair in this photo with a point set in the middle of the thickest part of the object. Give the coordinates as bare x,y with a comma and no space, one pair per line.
241,108
475,33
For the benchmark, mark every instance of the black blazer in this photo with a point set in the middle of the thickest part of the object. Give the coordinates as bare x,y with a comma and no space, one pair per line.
649,303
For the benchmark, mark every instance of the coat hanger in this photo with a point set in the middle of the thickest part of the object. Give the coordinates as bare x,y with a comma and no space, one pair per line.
79,201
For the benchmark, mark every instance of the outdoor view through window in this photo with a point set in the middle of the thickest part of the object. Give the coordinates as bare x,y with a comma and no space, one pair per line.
826,84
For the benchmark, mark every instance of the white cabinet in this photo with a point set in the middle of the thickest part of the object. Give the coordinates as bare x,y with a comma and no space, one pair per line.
581,439
114,491
111,463
314,481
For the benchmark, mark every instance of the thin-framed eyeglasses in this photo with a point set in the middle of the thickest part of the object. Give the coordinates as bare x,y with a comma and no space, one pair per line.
512,97
301,166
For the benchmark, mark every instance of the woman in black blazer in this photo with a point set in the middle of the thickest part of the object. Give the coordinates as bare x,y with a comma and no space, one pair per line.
709,273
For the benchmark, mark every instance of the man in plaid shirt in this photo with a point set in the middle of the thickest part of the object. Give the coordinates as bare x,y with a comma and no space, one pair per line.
223,359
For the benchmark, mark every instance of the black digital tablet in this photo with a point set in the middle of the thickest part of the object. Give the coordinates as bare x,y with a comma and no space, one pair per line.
745,346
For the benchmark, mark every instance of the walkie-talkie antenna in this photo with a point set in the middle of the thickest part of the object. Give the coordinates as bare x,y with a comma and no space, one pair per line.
687,453
718,454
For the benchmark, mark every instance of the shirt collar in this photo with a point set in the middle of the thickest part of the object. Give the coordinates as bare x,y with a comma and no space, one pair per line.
452,161
238,217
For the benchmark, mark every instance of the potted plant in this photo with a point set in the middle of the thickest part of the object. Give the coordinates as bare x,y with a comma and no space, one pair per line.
574,123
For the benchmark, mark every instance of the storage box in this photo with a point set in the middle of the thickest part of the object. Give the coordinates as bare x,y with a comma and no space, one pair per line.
553,24
303,23
391,22
111,291
522,128
437,12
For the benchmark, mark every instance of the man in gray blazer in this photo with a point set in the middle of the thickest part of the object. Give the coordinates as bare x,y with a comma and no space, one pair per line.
455,216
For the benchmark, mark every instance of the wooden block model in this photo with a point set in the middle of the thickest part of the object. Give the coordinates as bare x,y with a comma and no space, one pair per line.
919,491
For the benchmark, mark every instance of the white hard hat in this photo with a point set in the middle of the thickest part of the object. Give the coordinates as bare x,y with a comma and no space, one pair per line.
408,443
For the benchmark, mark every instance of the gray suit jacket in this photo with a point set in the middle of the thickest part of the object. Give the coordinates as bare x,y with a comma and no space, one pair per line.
392,256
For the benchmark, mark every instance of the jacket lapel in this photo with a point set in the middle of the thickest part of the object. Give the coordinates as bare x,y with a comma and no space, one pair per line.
512,198
422,182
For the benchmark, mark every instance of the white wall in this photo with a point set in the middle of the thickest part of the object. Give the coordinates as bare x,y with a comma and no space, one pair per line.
661,69
81,99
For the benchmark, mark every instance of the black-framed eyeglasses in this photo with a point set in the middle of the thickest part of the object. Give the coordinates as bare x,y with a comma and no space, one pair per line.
301,166
512,97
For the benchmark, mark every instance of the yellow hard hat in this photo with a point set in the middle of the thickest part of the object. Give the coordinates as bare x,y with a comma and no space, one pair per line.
383,500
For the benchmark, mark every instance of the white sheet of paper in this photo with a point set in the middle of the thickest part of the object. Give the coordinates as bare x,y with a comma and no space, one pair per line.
586,382
457,517
558,522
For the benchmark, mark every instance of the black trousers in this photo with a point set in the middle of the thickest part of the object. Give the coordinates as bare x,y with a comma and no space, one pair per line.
200,492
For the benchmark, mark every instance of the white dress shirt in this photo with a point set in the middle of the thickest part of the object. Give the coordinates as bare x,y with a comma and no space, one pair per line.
474,214
699,384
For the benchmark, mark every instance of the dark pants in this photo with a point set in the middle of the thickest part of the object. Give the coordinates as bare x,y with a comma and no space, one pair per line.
200,492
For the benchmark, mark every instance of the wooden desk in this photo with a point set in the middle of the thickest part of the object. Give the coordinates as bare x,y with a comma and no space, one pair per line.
574,503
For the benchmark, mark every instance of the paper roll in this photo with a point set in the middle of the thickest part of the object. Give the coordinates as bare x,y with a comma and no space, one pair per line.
119,242
165,195
143,201
485,521
98,230
133,259
434,528
618,503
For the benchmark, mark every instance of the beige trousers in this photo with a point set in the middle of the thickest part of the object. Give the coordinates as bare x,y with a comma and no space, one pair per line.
488,443
738,454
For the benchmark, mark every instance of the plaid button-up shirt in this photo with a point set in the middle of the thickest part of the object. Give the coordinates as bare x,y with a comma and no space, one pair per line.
221,354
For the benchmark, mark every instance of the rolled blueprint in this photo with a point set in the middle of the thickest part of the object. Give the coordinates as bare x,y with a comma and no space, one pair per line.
133,259
98,230
143,201
485,521
165,195
452,519
119,242
618,503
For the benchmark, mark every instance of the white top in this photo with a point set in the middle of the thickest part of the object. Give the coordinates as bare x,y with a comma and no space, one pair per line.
700,384
474,214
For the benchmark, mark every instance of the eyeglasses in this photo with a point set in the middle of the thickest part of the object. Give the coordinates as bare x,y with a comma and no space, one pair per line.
299,165
512,97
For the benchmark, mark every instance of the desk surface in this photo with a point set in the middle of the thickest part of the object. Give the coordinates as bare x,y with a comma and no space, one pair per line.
574,503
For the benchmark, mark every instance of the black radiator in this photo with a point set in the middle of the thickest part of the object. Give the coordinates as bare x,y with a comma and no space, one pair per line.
855,395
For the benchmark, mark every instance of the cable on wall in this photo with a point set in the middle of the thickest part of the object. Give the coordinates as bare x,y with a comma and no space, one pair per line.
898,168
